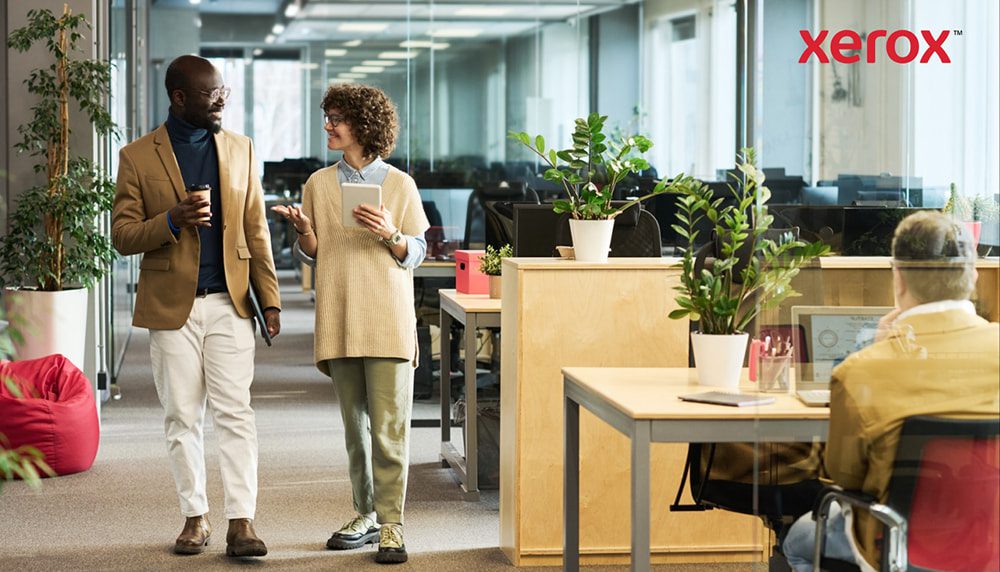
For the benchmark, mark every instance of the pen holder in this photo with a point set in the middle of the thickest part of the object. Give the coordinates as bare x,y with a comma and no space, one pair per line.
773,373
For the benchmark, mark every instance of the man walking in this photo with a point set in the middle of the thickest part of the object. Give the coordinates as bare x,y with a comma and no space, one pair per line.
200,255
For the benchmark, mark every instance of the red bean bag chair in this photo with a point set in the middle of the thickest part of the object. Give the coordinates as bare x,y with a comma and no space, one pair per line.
55,414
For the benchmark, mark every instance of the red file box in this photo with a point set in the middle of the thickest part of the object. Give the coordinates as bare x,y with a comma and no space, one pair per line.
468,278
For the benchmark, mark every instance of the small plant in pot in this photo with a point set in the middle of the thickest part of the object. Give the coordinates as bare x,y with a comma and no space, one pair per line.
589,171
973,212
750,272
491,264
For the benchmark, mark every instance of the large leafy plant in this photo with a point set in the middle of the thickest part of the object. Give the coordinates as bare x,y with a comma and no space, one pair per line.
53,239
751,272
590,170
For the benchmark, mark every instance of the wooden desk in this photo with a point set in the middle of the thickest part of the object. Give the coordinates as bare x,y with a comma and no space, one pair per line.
642,403
435,269
473,311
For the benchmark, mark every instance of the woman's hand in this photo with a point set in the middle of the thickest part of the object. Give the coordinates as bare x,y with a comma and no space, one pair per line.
294,215
377,220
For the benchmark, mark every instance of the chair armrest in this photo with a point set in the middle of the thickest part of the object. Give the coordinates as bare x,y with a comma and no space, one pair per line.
894,549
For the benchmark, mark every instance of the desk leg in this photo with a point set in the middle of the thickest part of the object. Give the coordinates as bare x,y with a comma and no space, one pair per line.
571,486
445,340
640,496
471,408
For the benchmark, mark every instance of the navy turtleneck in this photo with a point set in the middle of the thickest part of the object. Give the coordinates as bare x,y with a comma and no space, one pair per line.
198,160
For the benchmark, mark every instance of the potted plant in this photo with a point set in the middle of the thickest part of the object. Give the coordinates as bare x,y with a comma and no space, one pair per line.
491,264
589,171
750,272
973,212
54,249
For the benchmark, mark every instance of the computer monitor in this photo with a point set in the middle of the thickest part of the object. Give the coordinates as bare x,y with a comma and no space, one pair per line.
289,174
861,189
820,195
538,230
447,208
831,333
868,231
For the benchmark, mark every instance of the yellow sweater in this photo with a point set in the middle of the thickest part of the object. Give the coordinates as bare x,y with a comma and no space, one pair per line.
364,300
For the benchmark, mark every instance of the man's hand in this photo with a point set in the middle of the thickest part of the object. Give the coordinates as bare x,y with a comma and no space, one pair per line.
186,214
273,318
885,324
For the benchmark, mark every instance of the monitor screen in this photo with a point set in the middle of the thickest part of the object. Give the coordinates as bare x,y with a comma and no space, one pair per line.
832,333
538,230
446,211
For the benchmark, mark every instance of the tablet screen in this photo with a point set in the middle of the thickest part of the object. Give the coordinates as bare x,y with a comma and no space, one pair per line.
358,194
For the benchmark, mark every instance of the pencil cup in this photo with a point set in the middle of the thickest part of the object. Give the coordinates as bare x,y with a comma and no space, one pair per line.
774,373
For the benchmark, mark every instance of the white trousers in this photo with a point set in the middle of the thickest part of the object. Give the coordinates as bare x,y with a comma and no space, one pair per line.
209,359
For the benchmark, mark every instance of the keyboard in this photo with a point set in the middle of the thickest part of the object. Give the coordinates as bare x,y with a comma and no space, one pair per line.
814,397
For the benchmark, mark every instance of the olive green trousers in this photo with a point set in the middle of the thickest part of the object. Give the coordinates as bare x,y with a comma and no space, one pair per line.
376,401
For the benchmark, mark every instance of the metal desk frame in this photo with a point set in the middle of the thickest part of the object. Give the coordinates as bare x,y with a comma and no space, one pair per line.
466,467
643,432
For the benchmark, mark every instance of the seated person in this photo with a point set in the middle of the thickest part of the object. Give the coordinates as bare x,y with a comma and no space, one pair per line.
933,356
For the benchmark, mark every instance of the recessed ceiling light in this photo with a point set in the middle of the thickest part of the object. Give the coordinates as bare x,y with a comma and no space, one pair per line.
309,66
352,44
352,75
257,51
342,80
292,9
195,2
334,52
361,27
456,33
269,39
398,55
367,69
482,11
277,29
380,63
424,44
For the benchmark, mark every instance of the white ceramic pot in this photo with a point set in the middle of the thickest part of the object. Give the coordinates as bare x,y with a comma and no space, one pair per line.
49,322
591,239
719,358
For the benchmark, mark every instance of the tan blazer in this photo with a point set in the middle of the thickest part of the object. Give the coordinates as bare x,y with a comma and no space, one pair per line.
149,184
944,364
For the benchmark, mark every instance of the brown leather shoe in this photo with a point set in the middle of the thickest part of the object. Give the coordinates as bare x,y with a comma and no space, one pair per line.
194,538
241,540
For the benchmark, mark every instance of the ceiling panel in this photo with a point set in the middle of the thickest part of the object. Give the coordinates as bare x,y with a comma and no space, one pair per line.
224,6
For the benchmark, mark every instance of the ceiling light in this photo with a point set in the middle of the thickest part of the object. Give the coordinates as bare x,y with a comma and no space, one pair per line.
257,51
398,55
277,29
482,11
195,2
334,52
269,39
309,66
352,44
361,27
367,69
456,33
292,9
352,75
342,80
380,63
424,44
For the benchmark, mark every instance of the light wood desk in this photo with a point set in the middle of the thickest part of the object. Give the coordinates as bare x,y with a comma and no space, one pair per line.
473,311
435,269
643,404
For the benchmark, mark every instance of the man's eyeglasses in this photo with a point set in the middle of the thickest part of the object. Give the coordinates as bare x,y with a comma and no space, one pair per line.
216,93
332,119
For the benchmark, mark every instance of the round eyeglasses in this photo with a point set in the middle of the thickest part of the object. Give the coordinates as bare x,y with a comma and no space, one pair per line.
332,119
216,93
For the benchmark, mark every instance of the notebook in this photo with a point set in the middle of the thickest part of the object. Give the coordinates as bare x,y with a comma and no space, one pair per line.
727,398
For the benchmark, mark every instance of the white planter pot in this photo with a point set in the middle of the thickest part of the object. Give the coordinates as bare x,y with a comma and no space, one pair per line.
591,239
49,322
719,358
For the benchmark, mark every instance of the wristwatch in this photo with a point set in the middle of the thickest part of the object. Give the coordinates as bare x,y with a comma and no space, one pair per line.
394,239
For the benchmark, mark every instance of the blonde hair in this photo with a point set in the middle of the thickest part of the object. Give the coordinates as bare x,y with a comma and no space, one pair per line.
935,257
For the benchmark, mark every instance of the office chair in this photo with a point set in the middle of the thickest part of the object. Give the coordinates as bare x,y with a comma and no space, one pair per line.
475,216
943,508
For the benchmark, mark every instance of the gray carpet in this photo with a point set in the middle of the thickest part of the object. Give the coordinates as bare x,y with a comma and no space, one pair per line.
122,514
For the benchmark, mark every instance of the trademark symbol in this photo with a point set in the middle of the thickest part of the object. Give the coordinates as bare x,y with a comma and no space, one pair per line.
956,32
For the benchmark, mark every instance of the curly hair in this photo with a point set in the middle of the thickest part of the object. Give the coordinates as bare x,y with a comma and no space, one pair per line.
369,113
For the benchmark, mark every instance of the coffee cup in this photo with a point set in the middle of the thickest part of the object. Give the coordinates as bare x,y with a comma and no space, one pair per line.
202,192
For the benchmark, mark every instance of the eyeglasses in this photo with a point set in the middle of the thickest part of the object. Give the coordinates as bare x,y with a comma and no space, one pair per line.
332,119
216,93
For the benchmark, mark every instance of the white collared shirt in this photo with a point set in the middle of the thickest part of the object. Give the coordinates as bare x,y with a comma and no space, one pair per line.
939,306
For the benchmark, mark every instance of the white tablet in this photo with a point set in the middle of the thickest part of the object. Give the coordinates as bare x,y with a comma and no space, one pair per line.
358,194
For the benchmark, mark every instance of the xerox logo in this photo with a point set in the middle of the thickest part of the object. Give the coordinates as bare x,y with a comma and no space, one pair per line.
902,46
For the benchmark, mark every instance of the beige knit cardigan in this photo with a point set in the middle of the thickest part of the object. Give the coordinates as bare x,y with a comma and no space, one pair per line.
364,299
